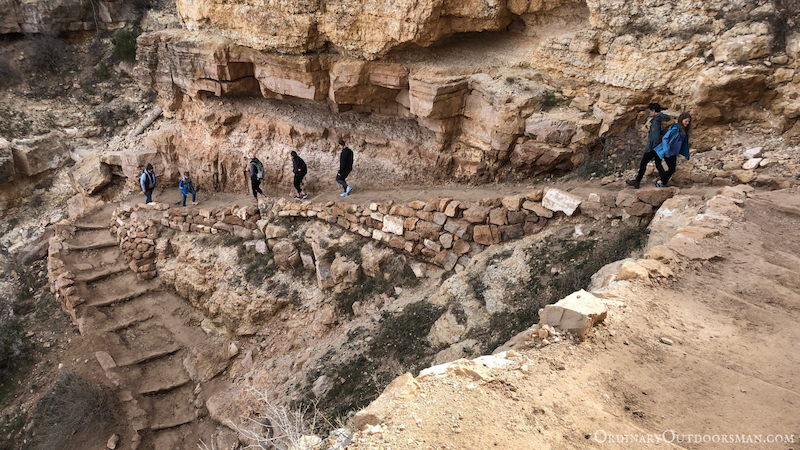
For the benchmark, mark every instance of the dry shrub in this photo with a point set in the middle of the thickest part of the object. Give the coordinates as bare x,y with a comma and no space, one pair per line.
73,415
46,53
8,73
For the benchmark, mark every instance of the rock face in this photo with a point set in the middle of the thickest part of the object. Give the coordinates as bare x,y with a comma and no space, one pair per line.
68,15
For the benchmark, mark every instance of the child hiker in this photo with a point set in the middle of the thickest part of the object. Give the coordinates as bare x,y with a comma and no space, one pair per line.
186,187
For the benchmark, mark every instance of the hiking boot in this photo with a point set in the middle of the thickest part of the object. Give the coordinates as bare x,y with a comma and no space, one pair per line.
632,183
347,191
659,184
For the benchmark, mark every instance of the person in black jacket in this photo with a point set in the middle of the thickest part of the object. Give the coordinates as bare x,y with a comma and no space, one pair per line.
299,169
345,167
653,139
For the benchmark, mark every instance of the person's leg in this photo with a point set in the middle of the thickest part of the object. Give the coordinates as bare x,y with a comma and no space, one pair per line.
184,200
194,197
672,163
298,179
660,168
255,182
649,156
341,180
148,194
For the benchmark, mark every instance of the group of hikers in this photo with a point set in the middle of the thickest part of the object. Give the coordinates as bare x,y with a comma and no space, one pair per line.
662,145
147,180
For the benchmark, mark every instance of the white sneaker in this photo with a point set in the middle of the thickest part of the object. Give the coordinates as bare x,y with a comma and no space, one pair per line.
347,191
344,194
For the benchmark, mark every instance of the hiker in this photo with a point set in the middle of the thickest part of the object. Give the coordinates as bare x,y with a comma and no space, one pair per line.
345,167
147,180
256,175
186,187
653,139
674,143
299,169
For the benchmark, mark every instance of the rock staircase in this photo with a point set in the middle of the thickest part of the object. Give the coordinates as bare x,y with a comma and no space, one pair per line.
146,339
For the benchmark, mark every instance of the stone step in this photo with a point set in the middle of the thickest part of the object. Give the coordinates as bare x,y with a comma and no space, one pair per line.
90,226
138,343
170,409
116,288
119,298
163,374
90,276
77,247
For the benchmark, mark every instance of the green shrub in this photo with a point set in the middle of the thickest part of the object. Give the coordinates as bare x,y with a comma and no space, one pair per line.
102,71
125,45
549,99
13,344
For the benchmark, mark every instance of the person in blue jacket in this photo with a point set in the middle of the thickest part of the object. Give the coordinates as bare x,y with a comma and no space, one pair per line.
653,139
674,143
147,181
186,187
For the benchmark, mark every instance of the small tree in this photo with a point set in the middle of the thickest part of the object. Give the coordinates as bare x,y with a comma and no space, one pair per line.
125,44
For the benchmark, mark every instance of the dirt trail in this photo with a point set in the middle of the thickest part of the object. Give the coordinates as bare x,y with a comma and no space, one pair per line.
711,355
146,340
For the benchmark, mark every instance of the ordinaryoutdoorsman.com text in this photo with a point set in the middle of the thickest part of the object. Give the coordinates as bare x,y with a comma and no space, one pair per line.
673,437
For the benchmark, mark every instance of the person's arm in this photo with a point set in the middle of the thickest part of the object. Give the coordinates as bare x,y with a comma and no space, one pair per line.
141,181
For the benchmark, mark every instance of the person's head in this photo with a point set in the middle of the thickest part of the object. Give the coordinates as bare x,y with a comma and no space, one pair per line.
186,174
294,154
654,108
341,143
149,167
251,156
684,122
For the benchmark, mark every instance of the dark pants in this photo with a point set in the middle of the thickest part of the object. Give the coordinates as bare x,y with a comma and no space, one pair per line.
298,180
193,197
256,184
148,195
649,156
672,163
340,178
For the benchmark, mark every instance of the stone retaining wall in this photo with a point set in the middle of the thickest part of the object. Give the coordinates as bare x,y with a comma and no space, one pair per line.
445,232
61,280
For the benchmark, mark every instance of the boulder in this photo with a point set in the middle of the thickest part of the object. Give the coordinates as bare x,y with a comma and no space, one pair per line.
81,204
203,364
576,313
656,196
89,175
631,270
476,214
486,234
639,209
287,257
537,209
39,154
556,200
344,270
373,259
403,388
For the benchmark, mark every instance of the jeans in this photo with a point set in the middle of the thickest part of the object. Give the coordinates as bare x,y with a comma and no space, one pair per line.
148,194
186,194
341,180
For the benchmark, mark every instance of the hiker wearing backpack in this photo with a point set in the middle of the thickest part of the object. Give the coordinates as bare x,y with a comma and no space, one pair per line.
653,140
256,175
299,169
147,180
187,187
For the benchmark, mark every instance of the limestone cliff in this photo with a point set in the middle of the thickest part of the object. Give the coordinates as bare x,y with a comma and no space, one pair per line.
476,91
